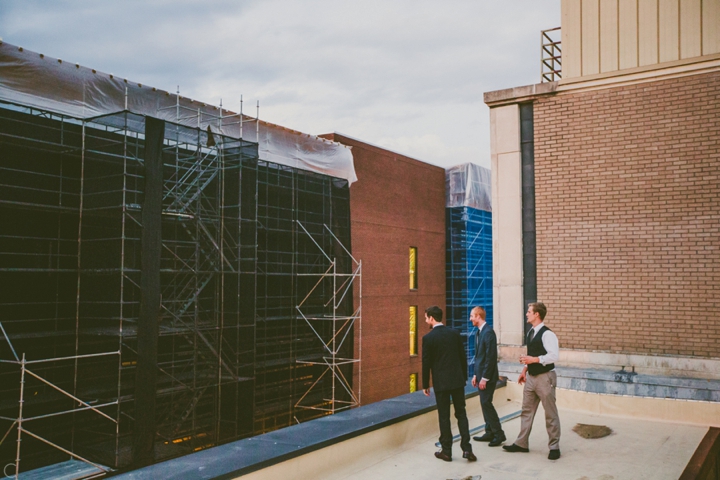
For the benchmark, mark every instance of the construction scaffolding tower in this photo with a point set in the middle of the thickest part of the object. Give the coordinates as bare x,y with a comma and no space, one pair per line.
78,268
468,217
287,199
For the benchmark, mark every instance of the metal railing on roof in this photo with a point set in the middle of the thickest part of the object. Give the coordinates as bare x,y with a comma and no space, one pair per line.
550,55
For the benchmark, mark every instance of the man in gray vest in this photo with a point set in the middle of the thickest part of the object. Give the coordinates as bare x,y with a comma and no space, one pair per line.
540,381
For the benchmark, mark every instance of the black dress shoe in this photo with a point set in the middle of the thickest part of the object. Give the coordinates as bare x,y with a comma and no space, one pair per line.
487,437
515,448
554,454
470,456
497,441
443,456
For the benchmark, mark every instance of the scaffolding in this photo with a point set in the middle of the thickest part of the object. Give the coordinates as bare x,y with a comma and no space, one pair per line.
550,55
306,210
234,357
468,219
334,329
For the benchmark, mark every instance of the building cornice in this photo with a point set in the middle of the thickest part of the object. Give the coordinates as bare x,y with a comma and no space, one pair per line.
654,73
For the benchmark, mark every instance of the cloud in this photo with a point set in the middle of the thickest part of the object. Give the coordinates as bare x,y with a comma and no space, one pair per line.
406,75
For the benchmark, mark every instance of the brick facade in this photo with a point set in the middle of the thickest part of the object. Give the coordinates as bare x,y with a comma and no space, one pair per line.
397,202
628,216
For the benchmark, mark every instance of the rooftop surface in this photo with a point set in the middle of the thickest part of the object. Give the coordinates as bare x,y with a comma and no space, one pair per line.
651,439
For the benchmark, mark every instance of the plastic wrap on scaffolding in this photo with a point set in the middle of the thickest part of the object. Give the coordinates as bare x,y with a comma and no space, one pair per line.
468,185
35,80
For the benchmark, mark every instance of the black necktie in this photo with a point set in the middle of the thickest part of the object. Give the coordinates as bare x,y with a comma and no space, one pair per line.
531,335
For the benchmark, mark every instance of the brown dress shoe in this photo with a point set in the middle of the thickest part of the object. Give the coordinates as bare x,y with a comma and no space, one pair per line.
470,456
443,456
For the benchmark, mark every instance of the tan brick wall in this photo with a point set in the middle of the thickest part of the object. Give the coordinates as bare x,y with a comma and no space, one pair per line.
628,216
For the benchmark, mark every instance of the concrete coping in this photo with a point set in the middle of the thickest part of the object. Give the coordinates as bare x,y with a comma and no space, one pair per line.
657,71
250,454
518,94
654,365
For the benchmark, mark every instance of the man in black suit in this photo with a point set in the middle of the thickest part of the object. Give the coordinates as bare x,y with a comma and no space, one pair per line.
443,354
486,377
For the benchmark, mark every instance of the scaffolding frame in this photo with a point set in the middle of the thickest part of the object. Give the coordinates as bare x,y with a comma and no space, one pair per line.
198,257
334,362
468,270
98,470
212,374
36,198
288,199
550,55
115,141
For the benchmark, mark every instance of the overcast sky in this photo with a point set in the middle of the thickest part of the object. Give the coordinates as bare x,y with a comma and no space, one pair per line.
407,75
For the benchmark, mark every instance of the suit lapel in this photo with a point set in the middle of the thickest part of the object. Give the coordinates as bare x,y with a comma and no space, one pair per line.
478,338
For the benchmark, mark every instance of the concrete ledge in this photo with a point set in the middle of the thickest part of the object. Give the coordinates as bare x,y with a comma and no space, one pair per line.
518,94
248,455
627,383
616,78
657,365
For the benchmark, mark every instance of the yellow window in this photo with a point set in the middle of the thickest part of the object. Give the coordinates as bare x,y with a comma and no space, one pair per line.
413,382
413,330
413,268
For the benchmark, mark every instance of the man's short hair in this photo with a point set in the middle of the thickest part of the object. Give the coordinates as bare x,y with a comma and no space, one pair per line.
434,312
480,310
539,308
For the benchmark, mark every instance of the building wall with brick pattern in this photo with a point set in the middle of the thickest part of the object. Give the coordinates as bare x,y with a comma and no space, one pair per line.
627,185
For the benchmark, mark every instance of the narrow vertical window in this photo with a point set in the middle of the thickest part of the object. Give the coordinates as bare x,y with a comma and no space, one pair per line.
413,382
413,330
413,268
527,154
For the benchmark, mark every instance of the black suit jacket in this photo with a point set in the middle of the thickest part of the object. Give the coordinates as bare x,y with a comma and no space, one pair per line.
486,355
443,354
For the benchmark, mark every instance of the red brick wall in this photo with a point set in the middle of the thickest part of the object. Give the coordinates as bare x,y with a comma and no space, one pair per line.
397,202
628,216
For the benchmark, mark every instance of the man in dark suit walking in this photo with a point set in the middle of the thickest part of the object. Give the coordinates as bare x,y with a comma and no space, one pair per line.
443,354
486,377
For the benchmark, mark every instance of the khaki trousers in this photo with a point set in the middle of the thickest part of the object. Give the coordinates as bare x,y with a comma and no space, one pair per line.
540,388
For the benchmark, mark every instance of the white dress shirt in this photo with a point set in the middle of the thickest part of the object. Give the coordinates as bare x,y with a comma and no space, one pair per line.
551,345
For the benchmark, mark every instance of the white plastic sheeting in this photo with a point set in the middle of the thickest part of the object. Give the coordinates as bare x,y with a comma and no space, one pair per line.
468,185
35,80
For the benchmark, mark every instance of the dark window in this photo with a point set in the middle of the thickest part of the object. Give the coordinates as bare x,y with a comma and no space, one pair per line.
527,152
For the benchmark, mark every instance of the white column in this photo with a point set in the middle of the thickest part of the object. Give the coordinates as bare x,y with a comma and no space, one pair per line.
507,224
